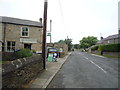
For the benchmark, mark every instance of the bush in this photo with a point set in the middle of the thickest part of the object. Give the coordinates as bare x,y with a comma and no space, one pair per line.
23,53
94,48
109,48
33,51
100,47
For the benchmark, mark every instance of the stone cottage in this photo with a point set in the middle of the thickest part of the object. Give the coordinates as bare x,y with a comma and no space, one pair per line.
20,33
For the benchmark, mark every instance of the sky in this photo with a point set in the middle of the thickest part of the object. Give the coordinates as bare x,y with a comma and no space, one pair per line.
73,18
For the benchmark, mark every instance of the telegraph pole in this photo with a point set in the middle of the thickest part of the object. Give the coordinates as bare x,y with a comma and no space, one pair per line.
44,34
50,30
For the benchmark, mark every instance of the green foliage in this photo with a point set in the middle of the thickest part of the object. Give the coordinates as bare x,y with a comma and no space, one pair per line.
94,48
23,53
88,41
109,48
33,51
61,41
100,48
68,42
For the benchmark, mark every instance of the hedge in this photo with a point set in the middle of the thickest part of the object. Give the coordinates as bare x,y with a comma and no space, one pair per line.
94,48
109,48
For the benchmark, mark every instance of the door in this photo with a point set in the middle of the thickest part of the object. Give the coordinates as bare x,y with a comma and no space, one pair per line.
27,46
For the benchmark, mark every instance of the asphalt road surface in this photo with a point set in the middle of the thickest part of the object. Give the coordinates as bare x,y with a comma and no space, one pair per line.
84,70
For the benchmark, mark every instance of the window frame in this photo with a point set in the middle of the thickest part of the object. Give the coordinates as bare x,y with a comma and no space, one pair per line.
22,31
11,46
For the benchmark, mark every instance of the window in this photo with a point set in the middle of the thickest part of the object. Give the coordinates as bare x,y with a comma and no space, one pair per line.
25,32
10,46
2,46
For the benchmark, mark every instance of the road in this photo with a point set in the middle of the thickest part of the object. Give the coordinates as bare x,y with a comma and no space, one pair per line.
84,70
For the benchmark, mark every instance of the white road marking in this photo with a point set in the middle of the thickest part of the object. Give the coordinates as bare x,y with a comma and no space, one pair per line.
95,63
85,57
98,66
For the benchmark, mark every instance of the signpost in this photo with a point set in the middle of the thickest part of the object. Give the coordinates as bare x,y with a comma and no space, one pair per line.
49,34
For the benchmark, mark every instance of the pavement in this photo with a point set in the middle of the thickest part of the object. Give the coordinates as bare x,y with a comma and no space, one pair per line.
44,78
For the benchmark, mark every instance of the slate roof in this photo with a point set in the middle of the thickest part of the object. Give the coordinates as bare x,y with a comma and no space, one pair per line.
18,21
112,37
109,38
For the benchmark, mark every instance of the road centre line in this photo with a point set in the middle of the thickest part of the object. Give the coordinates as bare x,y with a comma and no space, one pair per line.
95,64
83,56
98,66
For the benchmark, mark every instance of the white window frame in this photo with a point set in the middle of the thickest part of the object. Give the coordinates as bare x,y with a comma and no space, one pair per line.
22,31
10,46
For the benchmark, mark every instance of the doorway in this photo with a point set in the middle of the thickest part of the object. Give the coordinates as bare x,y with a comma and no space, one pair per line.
27,46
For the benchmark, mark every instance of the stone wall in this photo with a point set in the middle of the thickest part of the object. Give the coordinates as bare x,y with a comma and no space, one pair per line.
17,73
114,54
64,48
8,56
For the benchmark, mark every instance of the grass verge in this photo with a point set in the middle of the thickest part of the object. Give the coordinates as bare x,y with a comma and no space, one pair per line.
106,55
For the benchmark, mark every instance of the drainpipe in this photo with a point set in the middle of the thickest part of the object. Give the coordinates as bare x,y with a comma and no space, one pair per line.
4,37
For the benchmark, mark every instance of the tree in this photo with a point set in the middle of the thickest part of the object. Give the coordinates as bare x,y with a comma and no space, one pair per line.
61,41
69,43
88,41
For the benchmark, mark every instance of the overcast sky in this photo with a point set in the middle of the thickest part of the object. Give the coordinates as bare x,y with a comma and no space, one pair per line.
73,18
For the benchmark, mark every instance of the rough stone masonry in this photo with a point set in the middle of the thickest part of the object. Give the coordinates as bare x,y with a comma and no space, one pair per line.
17,73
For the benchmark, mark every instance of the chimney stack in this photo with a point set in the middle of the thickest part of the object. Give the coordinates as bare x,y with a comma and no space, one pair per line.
40,21
101,37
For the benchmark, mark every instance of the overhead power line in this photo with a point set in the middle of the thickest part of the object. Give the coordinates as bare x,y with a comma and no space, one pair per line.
62,16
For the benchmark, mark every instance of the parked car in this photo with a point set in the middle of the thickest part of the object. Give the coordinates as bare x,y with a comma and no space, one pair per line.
53,50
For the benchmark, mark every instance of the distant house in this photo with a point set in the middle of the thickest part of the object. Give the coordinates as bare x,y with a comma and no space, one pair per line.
112,39
20,33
